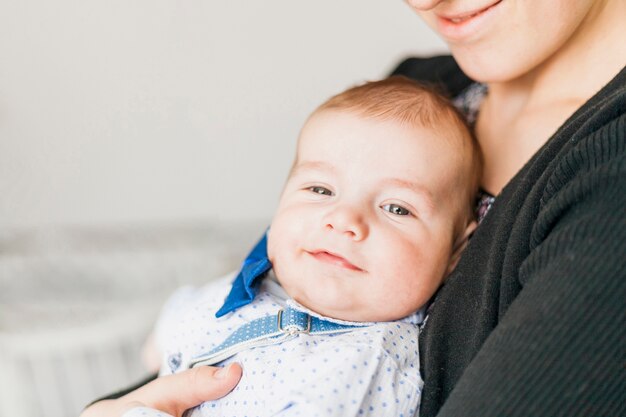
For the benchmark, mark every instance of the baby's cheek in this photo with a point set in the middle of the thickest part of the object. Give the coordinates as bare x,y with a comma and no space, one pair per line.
276,240
401,258
406,268
271,248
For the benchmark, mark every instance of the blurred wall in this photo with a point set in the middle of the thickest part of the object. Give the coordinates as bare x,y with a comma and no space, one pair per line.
135,111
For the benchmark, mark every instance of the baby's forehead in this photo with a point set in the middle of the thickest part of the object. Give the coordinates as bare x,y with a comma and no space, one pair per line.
443,130
331,138
442,141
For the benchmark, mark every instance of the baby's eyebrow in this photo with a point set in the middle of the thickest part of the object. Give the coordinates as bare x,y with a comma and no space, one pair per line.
313,166
420,189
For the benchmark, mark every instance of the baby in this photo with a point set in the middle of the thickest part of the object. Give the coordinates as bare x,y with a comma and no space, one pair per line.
324,314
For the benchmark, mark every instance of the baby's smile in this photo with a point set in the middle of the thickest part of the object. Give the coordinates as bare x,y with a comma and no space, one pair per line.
333,259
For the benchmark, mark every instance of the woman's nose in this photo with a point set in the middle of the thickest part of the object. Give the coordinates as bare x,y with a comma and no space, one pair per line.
423,5
347,221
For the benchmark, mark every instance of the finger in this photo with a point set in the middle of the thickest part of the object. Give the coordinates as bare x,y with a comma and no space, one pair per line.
176,393
141,411
102,408
205,383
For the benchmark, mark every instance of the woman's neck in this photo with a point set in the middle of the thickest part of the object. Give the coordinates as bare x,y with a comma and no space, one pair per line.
520,115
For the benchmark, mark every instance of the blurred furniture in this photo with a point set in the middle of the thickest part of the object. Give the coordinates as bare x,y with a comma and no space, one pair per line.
77,304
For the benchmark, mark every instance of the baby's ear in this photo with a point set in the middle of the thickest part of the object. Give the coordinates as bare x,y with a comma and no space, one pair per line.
459,246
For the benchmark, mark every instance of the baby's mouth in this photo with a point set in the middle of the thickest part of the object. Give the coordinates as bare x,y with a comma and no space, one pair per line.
333,259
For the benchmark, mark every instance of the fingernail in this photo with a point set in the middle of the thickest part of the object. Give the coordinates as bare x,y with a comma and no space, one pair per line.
221,373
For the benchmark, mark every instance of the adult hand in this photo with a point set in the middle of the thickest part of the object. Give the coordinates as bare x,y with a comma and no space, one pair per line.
173,394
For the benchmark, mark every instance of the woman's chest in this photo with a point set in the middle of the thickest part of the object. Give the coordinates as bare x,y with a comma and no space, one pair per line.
509,139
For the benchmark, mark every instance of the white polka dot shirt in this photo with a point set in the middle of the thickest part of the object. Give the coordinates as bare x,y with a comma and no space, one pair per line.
369,371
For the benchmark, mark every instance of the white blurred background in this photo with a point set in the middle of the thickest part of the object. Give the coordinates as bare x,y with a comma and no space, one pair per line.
143,145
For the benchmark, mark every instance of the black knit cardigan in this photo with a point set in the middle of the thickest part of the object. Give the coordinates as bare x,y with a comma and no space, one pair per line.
531,322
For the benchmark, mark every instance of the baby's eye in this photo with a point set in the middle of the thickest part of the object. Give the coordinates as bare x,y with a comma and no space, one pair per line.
396,209
320,190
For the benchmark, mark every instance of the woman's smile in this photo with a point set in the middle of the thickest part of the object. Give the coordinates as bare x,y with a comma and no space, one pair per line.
457,26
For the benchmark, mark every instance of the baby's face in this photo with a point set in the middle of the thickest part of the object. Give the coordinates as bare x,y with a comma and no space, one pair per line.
364,230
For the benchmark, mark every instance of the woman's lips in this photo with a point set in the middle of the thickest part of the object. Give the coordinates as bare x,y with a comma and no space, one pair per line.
459,26
333,259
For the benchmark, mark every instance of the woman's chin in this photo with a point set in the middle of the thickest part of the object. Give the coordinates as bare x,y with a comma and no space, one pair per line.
487,64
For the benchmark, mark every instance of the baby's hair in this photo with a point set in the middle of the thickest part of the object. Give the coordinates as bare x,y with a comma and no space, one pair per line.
406,101
397,98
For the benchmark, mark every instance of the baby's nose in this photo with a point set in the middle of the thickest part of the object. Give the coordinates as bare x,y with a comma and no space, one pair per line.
348,221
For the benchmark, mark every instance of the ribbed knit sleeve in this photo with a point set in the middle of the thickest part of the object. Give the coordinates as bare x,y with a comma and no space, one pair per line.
559,348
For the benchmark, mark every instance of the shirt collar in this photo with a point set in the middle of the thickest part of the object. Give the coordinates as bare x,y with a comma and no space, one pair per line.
246,283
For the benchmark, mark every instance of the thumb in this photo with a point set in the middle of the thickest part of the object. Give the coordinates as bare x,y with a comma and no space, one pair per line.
176,393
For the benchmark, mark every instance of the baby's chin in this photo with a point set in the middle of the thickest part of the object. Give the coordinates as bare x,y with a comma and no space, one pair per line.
345,313
330,302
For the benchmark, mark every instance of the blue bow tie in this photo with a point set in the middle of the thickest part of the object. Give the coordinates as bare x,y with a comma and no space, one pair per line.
248,279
